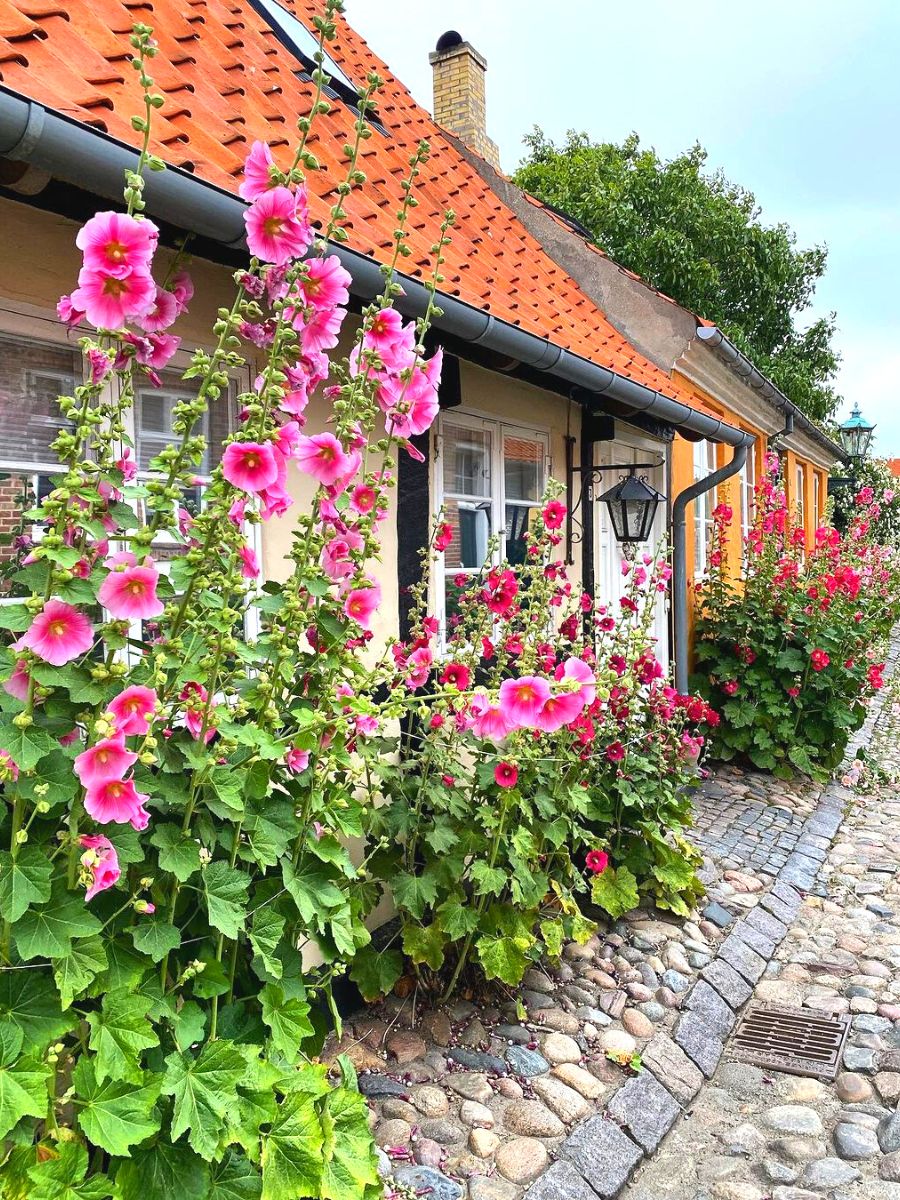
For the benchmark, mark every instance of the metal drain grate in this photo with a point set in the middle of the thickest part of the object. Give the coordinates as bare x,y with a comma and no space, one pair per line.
795,1040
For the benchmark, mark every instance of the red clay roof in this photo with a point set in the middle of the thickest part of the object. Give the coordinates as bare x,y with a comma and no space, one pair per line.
894,467
228,80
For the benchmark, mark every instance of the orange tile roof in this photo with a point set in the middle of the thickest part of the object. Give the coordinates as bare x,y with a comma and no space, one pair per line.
228,80
894,467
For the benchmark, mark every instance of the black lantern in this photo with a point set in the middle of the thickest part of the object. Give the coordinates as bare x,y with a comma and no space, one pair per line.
632,505
856,434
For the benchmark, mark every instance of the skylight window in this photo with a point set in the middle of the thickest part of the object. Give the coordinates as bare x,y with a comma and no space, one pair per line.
304,45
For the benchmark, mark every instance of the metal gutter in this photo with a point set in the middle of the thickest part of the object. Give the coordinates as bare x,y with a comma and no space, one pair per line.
754,378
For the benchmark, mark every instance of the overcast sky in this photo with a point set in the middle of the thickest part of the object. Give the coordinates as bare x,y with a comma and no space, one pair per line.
798,100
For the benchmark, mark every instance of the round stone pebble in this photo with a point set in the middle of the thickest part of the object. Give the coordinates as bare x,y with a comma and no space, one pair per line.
560,1048
430,1101
484,1187
532,1119
618,1041
855,1143
522,1160
637,1024
483,1143
393,1133
795,1119
473,1113
581,1080
852,1088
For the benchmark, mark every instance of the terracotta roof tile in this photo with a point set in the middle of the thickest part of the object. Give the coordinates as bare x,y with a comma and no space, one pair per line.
228,80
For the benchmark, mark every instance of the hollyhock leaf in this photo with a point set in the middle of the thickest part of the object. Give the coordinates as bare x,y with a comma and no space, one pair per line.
57,780
23,881
310,888
425,943
203,1089
47,932
330,850
227,800
80,967
350,1165
23,1092
488,880
178,852
441,836
120,1033
225,893
212,981
552,933
11,1039
127,843
26,747
15,617
163,1172
376,971
288,1020
615,891
62,1177
265,934
126,967
155,938
456,919
81,688
415,893
29,1002
271,826
503,958
116,1114
292,1162
234,1178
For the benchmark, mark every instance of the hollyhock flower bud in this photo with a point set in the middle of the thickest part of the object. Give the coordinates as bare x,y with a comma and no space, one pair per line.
18,683
58,634
182,288
9,771
249,563
134,710
100,864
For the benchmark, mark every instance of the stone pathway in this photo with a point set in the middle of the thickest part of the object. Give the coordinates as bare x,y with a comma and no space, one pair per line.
477,1103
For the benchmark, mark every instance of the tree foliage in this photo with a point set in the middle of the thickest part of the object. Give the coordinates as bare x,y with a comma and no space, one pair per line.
698,238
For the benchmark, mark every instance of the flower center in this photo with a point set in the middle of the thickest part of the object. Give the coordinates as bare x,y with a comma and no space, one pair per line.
252,461
273,226
114,287
57,628
115,251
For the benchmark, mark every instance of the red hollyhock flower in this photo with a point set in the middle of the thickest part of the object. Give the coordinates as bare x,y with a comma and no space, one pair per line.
443,537
730,687
819,660
458,675
596,861
506,775
615,752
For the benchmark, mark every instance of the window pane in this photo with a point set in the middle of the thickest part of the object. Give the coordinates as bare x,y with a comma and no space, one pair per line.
32,375
467,461
523,468
518,522
471,524
153,420
151,412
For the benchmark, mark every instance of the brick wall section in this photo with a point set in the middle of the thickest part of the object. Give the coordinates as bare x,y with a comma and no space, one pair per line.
459,97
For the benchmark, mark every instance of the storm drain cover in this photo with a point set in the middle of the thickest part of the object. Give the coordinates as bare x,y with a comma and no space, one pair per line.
795,1040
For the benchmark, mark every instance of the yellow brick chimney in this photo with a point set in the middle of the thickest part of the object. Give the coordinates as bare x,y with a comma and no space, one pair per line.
459,94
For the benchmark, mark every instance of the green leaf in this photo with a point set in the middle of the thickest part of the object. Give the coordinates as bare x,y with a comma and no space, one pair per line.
457,920
62,1177
310,889
163,1172
56,775
126,966
26,747
234,1178
376,971
120,1032
489,881
23,1092
503,958
47,932
350,1164
615,890
23,881
268,926
79,968
225,892
155,938
292,1154
29,1001
116,1114
271,827
288,1020
178,853
414,893
15,617
425,943
203,1088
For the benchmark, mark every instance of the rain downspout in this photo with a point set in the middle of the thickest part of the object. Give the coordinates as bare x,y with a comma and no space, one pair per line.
679,553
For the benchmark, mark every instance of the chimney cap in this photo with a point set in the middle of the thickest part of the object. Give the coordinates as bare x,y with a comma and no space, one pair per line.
448,40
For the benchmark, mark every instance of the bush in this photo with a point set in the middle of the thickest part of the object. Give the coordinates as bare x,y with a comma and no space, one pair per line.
789,655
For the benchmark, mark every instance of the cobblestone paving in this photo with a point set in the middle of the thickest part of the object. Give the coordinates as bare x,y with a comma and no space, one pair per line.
753,1134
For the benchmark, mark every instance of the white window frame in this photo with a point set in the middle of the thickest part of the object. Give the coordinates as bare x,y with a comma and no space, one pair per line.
498,430
748,492
817,497
800,483
705,463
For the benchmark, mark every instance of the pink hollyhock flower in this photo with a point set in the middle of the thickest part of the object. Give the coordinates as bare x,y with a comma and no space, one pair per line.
117,800
238,511
110,301
321,329
8,768
156,349
383,332
250,466
362,499
58,634
326,284
596,861
489,721
127,465
249,563
410,410
71,737
506,775
100,863
558,710
522,699
257,172
117,244
366,725
819,660
134,710
793,692
105,760
458,675
99,363
182,288
323,457
580,672
162,313
18,683
130,595
443,537
554,513
68,313
418,667
361,604
296,760
615,752
277,227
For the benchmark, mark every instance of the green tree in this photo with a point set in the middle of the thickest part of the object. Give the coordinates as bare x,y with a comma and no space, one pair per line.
697,237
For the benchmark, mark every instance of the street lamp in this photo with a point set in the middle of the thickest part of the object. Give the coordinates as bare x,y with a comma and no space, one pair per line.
856,434
632,505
